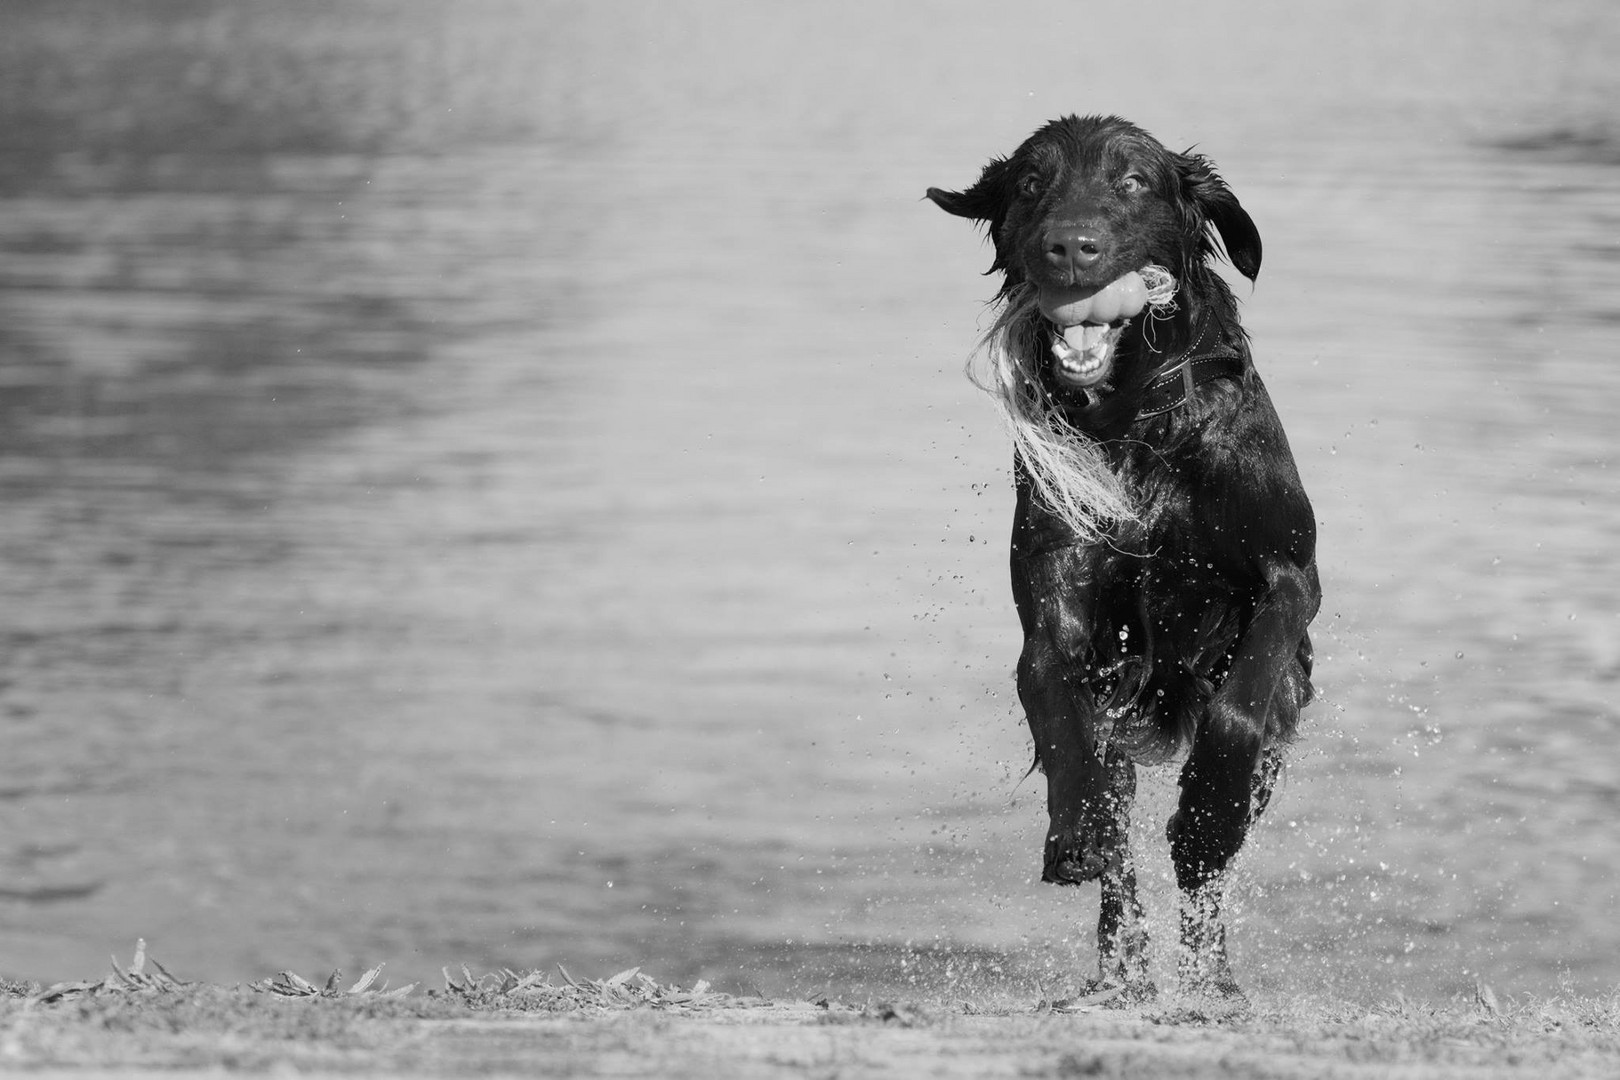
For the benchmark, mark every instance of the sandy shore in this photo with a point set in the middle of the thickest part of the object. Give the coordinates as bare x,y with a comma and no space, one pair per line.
137,1022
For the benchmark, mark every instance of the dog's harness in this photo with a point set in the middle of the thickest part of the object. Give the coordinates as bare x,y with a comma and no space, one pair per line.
1199,363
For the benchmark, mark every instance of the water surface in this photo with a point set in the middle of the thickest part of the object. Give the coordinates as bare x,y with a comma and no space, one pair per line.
493,483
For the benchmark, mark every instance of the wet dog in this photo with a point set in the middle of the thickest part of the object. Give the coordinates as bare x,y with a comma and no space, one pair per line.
1163,549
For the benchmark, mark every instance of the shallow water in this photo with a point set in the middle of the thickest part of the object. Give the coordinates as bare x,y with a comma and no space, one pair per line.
494,484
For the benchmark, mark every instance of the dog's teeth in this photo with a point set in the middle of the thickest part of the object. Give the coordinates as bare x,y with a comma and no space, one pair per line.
1074,360
1084,351
1082,348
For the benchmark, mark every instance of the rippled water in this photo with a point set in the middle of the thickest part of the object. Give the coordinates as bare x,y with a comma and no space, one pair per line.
494,483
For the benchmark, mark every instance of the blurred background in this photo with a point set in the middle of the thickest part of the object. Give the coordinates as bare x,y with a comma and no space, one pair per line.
493,482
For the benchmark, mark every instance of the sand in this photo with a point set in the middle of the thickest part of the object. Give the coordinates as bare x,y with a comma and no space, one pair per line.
141,1021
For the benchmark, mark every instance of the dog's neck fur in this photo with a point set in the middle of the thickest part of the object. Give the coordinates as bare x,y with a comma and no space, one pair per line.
1068,446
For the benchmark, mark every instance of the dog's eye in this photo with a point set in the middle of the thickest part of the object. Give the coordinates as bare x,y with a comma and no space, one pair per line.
1029,186
1130,184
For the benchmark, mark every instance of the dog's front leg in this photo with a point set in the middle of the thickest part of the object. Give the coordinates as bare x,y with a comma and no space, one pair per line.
1061,711
1089,792
1218,782
1060,721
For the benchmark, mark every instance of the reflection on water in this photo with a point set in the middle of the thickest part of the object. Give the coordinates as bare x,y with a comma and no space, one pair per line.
493,483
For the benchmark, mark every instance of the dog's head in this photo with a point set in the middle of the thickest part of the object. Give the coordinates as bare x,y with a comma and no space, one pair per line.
1085,215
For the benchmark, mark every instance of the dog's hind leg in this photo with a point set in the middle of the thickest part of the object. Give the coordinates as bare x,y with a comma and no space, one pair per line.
1122,939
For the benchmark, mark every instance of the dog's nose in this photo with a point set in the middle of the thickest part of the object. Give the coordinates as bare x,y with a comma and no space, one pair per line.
1073,249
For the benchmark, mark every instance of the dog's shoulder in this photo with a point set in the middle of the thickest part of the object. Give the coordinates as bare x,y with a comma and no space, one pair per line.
1223,466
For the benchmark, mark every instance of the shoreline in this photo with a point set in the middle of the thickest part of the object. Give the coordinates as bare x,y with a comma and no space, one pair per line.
141,1019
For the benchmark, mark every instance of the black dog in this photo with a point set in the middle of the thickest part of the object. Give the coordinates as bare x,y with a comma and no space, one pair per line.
1163,549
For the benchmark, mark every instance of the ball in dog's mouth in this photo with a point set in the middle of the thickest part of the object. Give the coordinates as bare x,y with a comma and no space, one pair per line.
1090,318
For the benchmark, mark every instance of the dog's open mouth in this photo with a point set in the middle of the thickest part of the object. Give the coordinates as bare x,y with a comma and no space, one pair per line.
1089,320
1084,353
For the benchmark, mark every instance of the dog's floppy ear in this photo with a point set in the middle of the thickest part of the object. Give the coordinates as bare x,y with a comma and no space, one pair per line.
1204,188
985,201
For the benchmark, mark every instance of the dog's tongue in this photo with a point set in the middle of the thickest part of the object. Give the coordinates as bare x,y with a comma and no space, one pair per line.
1085,337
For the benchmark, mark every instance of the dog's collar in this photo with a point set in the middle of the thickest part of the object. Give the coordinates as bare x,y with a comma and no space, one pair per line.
1208,358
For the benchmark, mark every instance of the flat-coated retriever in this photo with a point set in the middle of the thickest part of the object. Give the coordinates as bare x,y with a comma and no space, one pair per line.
1163,549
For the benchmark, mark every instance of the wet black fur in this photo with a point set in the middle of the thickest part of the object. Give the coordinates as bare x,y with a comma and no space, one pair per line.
1186,629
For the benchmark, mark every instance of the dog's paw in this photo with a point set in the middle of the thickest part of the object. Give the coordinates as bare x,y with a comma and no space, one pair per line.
1074,871
1072,860
1217,986
1131,991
